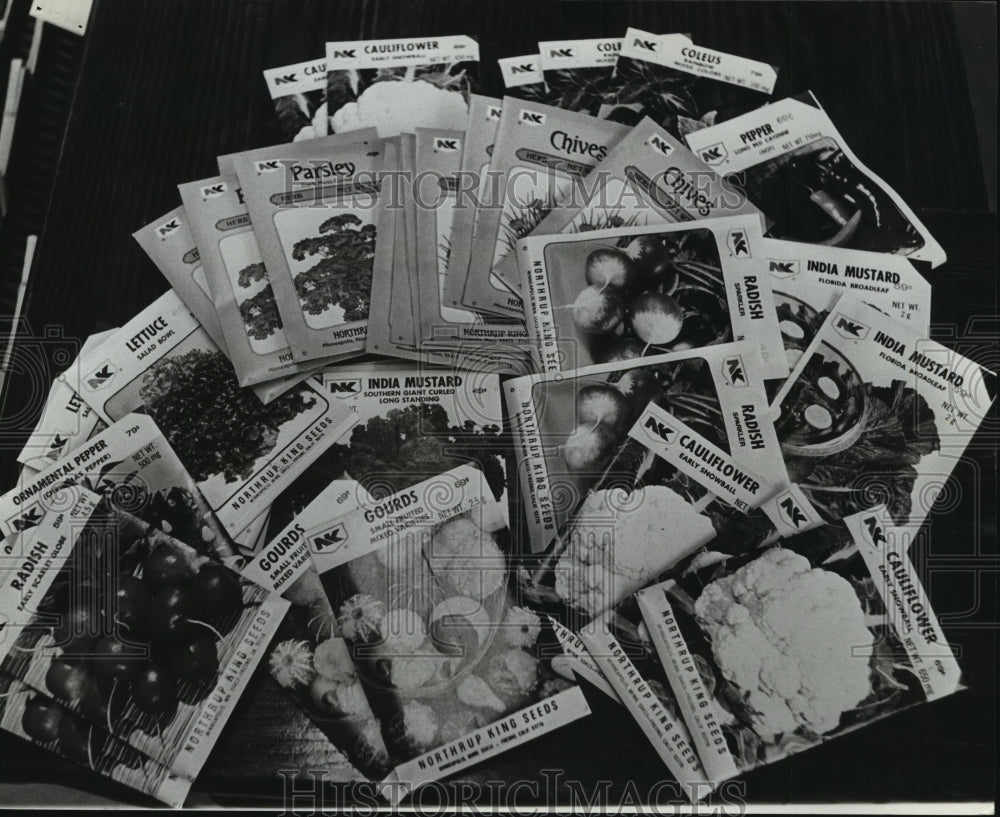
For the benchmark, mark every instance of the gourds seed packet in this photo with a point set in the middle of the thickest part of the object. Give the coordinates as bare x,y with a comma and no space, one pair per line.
400,84
682,86
170,244
313,213
608,295
791,161
299,95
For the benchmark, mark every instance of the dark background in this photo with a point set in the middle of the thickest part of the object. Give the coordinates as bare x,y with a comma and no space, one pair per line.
166,86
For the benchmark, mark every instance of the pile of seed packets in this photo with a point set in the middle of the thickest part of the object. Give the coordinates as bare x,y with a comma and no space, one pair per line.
460,405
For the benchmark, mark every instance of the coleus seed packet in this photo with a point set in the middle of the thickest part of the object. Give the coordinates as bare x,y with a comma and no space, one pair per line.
842,604
577,73
66,421
170,244
616,294
131,628
450,663
240,452
522,77
401,84
540,157
792,162
807,280
35,717
628,468
477,150
682,86
438,156
313,214
299,95
649,177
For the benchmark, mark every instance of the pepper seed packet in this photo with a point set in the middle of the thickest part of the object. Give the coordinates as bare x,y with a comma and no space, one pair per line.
649,177
578,73
438,156
401,84
313,214
151,640
682,86
628,468
807,280
540,157
842,604
38,719
419,582
299,95
616,294
522,77
66,421
170,244
241,452
792,162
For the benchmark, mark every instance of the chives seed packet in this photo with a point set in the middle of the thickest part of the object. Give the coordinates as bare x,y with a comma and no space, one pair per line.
682,86
313,214
170,244
607,295
299,95
792,162
401,84
522,77
541,155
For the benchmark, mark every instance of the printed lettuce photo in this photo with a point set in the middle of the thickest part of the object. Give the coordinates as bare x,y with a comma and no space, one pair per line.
401,98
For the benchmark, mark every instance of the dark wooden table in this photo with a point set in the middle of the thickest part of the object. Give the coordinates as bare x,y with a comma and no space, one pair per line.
167,86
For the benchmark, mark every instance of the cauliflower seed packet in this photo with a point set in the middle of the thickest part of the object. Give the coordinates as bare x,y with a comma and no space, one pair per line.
628,468
606,295
782,649
522,77
313,213
401,84
299,95
792,162
170,244
240,451
152,640
649,177
540,159
449,661
682,86
66,421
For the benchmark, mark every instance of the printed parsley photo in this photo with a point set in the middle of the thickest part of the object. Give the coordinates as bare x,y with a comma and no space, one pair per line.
343,274
215,426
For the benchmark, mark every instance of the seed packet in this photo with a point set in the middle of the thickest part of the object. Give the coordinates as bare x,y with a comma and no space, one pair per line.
540,157
299,95
522,77
619,645
402,84
133,466
842,604
648,178
308,656
170,244
314,218
616,294
66,421
578,73
477,149
450,664
438,155
681,86
38,719
792,163
807,280
240,452
628,468
150,639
